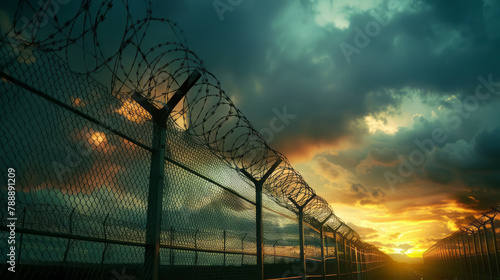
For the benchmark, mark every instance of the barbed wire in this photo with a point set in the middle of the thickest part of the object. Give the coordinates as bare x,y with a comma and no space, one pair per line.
135,57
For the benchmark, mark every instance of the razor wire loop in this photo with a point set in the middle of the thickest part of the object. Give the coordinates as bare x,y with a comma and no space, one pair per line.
149,69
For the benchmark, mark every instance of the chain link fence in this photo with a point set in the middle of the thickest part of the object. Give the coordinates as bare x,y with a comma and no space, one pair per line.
470,253
131,162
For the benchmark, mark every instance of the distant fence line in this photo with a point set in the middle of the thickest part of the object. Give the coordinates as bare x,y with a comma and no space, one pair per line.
137,158
470,253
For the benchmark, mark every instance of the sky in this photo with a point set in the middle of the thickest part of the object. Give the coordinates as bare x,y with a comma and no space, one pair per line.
389,109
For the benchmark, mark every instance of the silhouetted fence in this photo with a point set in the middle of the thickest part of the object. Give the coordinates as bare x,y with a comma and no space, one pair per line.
130,162
471,253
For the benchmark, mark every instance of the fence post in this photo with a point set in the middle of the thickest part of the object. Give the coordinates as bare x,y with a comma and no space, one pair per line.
337,250
172,242
492,221
471,268
258,216
242,248
224,247
481,249
105,238
156,176
455,256
274,250
21,237
70,232
345,257
487,250
475,250
300,208
196,247
321,232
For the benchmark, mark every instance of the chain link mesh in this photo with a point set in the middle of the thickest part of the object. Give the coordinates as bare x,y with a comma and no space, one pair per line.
82,151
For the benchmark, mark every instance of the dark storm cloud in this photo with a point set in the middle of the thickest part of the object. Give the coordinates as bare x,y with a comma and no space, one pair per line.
274,54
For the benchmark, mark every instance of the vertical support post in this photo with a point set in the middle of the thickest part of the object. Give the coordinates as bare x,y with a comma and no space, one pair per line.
105,239
172,243
475,251
156,175
259,224
196,247
455,256
70,232
465,254
21,237
322,235
479,270
242,248
337,251
258,216
224,247
358,264
274,250
487,251
481,251
300,208
492,221
345,257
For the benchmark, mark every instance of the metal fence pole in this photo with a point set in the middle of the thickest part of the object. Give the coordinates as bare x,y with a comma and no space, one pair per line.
300,208
258,216
322,235
21,237
274,250
70,232
469,267
337,251
461,245
475,252
156,176
455,256
345,257
487,250
481,251
196,247
224,247
105,238
243,248
492,221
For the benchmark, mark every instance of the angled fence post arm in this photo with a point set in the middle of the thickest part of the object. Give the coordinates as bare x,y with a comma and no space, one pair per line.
258,215
156,176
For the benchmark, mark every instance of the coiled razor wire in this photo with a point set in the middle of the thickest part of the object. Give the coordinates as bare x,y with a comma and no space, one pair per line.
133,58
